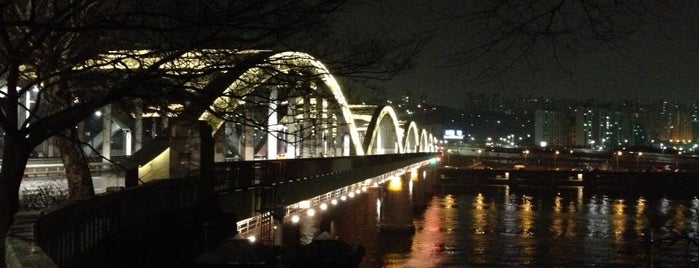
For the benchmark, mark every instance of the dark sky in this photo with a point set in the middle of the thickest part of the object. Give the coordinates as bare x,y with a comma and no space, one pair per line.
660,63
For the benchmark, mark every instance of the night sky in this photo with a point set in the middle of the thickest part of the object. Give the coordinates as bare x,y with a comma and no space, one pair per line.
662,62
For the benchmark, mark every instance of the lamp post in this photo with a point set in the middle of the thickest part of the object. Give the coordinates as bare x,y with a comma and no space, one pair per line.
555,156
478,157
618,154
638,160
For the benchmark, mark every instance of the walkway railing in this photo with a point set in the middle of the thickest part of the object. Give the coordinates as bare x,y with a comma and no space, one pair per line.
244,175
70,233
86,232
302,190
58,170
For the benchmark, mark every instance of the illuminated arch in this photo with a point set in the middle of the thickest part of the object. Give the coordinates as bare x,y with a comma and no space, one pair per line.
283,63
424,141
383,120
411,140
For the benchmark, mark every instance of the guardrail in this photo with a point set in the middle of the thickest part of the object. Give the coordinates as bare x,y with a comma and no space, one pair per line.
51,170
244,175
77,234
109,226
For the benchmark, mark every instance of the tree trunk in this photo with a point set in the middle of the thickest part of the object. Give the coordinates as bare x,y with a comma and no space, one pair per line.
14,162
76,165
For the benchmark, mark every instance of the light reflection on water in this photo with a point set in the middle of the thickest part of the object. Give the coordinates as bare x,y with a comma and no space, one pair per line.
500,226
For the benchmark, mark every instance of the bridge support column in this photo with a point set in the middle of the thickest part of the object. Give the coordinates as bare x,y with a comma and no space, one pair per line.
423,186
396,207
138,129
248,152
272,125
106,132
220,144
419,195
191,148
303,231
357,217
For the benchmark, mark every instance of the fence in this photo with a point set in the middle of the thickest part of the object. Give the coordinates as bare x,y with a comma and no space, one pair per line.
244,175
98,230
73,233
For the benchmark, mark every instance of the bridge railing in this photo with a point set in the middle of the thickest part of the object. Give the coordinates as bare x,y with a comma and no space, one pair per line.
243,175
51,170
70,233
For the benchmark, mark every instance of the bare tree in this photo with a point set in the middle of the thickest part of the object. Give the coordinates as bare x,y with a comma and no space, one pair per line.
81,55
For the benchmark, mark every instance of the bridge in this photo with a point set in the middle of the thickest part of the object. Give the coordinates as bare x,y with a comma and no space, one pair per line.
266,141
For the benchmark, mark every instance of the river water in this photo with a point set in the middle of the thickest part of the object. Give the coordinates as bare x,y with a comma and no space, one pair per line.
504,226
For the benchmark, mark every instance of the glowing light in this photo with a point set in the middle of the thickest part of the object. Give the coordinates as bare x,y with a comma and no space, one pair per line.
395,184
323,206
351,194
252,239
333,202
343,198
311,212
295,219
304,204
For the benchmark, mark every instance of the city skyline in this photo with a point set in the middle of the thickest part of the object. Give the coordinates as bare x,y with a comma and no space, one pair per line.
492,120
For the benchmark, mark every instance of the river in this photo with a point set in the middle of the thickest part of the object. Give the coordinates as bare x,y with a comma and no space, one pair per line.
504,226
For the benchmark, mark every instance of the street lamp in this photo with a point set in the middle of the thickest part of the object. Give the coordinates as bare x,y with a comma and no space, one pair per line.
555,156
478,158
618,154
638,160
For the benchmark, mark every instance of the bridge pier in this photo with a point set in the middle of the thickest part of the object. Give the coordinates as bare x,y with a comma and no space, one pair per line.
424,181
396,205
358,217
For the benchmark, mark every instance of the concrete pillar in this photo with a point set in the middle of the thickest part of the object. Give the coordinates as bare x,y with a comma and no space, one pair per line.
127,141
305,131
138,129
419,194
248,143
106,132
396,208
153,129
346,145
357,217
165,121
219,137
272,125
290,238
51,147
291,141
309,227
320,144
191,149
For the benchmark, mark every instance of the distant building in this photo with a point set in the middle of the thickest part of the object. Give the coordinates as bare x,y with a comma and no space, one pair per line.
551,127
